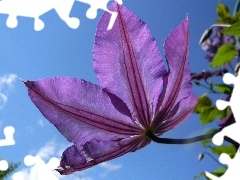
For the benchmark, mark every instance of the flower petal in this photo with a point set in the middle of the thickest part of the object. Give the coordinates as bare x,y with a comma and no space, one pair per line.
177,84
128,64
80,110
178,114
79,157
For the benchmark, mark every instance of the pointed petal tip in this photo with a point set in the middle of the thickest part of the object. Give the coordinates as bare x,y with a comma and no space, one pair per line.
60,170
27,83
183,25
24,81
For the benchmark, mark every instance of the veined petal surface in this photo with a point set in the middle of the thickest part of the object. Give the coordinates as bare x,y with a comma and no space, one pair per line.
80,110
177,84
136,93
178,114
82,156
128,64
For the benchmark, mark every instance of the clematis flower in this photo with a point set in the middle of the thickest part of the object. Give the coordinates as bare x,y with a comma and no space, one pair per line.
137,100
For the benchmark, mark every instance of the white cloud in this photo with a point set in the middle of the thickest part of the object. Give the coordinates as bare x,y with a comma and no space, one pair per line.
6,82
47,151
41,165
29,129
41,122
84,178
109,167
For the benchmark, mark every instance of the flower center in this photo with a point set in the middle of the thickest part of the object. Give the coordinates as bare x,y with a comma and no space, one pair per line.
147,132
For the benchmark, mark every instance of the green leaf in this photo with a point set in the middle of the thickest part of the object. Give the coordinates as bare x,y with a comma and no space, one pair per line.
224,15
206,142
224,55
209,115
202,174
219,172
208,112
224,113
203,103
236,18
12,167
223,88
233,30
229,149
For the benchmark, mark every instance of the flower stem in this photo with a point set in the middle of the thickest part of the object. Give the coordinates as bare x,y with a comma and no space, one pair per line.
211,156
179,141
208,74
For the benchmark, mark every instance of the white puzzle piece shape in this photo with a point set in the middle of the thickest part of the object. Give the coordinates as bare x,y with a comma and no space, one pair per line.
9,133
231,131
232,172
36,8
39,170
7,141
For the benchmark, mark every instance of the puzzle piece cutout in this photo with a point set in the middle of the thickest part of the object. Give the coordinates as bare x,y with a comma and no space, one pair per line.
3,165
39,169
8,141
100,4
231,131
35,8
233,172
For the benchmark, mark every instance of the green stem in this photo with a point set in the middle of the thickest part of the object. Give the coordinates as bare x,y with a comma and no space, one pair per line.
179,141
210,155
206,87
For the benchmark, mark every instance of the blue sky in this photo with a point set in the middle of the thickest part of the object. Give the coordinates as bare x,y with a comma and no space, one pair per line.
58,50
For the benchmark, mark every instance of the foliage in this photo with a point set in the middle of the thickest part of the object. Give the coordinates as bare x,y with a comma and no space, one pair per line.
226,56
224,15
218,172
233,30
12,167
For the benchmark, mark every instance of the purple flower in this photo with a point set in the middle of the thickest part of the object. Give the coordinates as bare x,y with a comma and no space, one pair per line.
217,39
136,94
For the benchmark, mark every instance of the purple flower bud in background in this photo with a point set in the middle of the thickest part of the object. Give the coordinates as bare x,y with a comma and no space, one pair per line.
215,40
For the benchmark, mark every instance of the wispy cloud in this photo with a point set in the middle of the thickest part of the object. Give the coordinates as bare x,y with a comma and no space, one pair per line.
29,129
41,165
40,122
85,178
47,151
6,82
109,167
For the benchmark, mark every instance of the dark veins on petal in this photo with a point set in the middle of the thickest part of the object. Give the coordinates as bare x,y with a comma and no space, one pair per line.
133,75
